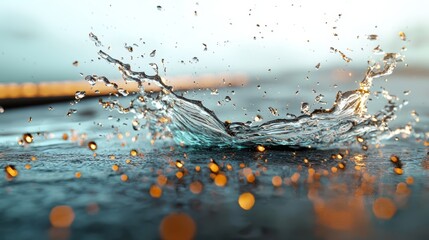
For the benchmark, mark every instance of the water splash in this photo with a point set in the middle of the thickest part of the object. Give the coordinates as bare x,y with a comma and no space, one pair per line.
188,122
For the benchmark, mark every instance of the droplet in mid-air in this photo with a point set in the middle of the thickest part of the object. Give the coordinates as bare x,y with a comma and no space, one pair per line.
305,108
317,66
258,118
372,37
402,36
94,38
273,111
79,95
152,54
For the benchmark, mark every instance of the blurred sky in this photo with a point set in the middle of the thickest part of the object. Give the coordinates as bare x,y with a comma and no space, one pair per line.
39,40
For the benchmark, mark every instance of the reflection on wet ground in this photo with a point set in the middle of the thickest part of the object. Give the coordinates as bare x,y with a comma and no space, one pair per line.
102,180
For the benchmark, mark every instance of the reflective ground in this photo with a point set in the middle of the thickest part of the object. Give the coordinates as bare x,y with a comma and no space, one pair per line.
57,187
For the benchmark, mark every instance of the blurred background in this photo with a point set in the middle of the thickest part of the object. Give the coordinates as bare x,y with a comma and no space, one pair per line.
39,40
280,49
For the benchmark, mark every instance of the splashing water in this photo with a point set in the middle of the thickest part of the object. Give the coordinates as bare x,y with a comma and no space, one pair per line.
188,122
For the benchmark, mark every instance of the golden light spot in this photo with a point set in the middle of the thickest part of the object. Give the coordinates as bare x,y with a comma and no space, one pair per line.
341,165
295,177
214,168
246,201
179,164
402,36
339,156
27,137
177,226
394,158
155,191
61,216
127,161
162,180
334,169
402,189
179,175
112,157
65,136
409,180
384,208
133,152
359,139
260,148
124,178
11,171
220,180
398,171
78,174
115,167
242,165
27,166
92,145
305,160
229,167
277,181
196,187
197,168
250,178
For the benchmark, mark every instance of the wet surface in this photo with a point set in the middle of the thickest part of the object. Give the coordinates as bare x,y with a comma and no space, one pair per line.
344,193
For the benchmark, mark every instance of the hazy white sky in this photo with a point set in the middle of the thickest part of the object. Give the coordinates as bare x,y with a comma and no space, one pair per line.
39,40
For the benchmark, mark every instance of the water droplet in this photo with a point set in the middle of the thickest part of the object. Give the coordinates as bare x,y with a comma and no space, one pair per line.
123,92
227,98
70,112
11,172
214,91
372,37
407,92
195,59
402,36
75,63
129,48
305,108
1,109
319,98
91,80
159,7
27,137
133,152
273,111
92,145
205,46
94,38
258,118
152,54
317,66
378,49
259,86
79,95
